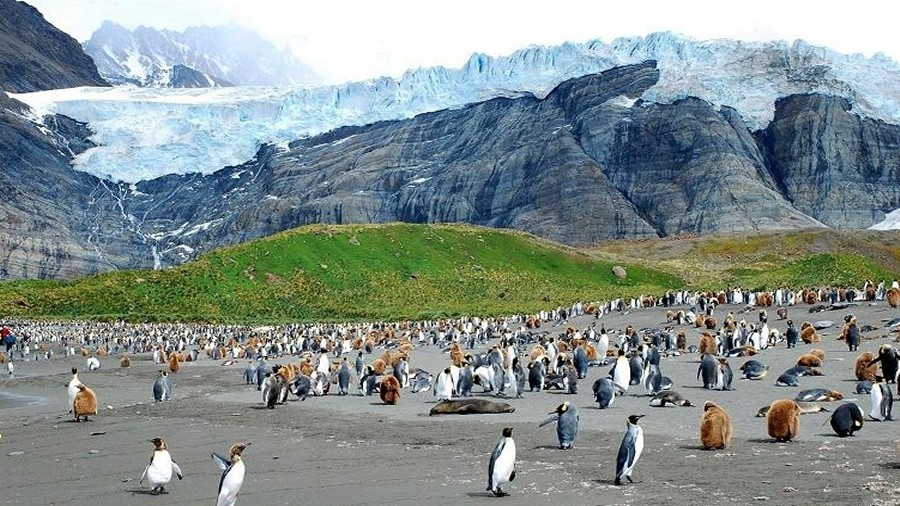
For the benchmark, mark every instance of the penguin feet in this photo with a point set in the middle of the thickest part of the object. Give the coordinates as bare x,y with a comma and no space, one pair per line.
499,493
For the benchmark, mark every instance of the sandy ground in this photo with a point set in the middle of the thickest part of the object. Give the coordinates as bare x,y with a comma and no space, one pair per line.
354,450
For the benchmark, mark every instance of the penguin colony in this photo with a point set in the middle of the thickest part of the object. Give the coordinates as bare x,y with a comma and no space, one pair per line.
521,361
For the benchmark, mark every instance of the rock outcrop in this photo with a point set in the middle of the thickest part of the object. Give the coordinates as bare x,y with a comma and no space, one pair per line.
35,55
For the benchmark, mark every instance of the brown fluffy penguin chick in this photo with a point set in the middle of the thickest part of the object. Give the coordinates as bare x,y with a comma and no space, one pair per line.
708,344
893,297
809,360
125,362
174,365
85,403
808,334
817,352
379,365
783,420
715,427
390,390
864,371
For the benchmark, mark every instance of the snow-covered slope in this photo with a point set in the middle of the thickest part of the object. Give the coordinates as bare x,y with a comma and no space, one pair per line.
891,221
231,54
146,133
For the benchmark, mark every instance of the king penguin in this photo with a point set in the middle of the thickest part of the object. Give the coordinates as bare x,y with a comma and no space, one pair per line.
630,449
343,377
621,373
604,392
602,345
566,418
882,402
443,387
161,387
232,474
846,419
161,467
73,387
502,468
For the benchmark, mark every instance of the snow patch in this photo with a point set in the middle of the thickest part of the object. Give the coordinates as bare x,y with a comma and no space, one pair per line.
891,221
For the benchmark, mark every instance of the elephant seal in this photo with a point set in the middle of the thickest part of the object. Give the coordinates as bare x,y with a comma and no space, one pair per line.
470,407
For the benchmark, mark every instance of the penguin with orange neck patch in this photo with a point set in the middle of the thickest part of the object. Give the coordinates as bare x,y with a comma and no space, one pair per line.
233,471
159,471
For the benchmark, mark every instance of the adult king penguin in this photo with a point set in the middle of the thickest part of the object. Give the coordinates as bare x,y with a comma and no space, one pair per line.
73,387
161,467
566,418
882,402
630,450
621,373
233,471
846,419
502,468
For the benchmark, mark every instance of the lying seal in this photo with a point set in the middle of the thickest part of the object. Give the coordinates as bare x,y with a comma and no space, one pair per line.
470,407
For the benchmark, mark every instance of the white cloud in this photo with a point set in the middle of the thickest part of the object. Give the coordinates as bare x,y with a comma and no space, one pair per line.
356,39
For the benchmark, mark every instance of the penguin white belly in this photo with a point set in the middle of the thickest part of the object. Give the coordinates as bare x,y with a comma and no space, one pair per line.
231,485
877,399
160,471
503,467
622,375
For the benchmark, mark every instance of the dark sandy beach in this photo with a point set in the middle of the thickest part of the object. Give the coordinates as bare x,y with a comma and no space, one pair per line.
349,450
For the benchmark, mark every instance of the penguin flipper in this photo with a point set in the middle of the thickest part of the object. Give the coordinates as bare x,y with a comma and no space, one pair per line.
512,475
549,420
144,474
223,462
177,469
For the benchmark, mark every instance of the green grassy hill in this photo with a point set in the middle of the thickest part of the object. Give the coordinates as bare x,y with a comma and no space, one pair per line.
338,273
400,271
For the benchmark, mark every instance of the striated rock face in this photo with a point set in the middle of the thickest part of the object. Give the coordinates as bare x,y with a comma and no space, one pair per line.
589,162
35,55
833,164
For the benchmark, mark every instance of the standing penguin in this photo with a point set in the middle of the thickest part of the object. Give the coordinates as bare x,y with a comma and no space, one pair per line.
566,418
636,364
502,467
882,402
72,388
443,387
85,403
401,372
708,371
724,375
783,420
161,467
890,360
580,361
233,471
343,377
846,419
360,365
715,427
250,373
272,392
465,381
602,345
851,332
630,450
621,373
368,383
161,387
536,377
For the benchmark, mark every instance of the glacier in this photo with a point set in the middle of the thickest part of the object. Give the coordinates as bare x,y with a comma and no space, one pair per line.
145,133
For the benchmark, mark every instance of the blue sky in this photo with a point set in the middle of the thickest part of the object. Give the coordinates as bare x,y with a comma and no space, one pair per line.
358,39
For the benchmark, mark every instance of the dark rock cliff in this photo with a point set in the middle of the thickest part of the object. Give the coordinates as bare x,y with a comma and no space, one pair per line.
35,55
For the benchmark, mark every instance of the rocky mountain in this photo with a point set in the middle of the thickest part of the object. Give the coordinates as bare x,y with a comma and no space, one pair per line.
35,55
590,161
595,157
222,55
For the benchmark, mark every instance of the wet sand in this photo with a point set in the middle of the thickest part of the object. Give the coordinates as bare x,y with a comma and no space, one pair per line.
349,450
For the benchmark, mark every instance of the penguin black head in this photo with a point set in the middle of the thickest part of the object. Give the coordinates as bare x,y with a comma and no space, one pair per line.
633,419
790,323
74,370
158,442
507,432
848,318
562,408
621,352
447,371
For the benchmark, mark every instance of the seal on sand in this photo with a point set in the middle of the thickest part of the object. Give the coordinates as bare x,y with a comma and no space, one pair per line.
470,407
